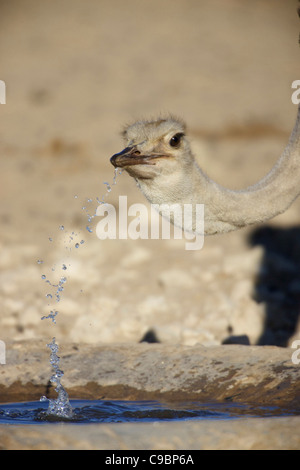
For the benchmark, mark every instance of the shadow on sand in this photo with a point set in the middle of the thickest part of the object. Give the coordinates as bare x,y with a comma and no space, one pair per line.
278,282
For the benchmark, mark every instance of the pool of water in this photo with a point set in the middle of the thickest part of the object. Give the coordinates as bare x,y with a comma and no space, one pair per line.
104,411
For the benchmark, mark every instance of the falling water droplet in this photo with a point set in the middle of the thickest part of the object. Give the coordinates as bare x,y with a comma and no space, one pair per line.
89,229
51,316
108,187
40,261
43,276
77,245
61,227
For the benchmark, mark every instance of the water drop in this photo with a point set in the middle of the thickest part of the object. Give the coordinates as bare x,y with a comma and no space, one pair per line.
77,245
82,241
108,187
43,276
50,239
61,227
40,261
64,267
51,316
89,229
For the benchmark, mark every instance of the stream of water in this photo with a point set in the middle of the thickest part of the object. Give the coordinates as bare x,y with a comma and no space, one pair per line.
61,407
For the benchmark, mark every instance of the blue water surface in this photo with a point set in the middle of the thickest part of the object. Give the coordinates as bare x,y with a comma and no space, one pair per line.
106,411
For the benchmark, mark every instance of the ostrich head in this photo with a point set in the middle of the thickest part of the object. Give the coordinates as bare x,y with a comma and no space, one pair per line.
157,148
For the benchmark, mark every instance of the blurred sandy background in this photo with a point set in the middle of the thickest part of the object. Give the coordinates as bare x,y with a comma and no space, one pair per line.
76,71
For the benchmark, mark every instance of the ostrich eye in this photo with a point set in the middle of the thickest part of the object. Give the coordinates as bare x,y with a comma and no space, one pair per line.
175,140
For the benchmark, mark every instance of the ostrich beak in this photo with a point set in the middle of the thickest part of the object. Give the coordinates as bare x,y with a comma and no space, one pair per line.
130,156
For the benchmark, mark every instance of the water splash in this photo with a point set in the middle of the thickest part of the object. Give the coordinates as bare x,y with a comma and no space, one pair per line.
59,289
59,406
99,201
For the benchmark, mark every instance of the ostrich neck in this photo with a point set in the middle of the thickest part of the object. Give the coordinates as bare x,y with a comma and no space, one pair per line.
229,210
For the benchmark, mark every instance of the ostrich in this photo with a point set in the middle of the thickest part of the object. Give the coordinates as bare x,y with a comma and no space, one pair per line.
158,156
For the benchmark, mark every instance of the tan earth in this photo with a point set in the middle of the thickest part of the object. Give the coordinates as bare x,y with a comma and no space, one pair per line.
75,73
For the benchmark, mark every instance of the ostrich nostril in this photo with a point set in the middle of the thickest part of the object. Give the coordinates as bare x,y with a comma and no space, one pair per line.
137,153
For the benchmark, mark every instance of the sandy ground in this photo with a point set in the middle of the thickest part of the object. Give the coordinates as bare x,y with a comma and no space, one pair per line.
76,72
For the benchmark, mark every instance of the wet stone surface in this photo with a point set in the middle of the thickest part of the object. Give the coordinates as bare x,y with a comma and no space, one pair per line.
232,373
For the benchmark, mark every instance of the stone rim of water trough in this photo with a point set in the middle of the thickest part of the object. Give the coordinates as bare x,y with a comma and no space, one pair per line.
260,375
